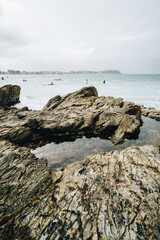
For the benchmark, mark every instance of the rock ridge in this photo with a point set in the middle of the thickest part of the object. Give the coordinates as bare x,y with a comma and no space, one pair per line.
151,112
111,195
81,113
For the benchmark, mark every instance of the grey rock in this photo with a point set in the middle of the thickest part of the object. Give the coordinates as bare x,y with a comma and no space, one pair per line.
18,125
151,112
71,116
111,195
9,95
83,112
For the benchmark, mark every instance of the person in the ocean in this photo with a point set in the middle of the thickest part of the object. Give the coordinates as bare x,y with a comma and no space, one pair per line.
51,83
104,81
2,78
86,81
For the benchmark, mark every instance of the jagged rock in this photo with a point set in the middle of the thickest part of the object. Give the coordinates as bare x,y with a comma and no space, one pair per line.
151,112
70,98
83,112
111,195
18,125
71,116
9,95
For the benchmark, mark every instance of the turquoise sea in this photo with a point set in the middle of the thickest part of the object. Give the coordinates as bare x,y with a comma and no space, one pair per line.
36,91
140,89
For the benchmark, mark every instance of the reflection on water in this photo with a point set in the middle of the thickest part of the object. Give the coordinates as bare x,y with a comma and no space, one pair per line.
62,154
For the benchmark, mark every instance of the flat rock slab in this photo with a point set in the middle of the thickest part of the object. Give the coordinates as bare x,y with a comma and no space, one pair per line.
111,195
81,113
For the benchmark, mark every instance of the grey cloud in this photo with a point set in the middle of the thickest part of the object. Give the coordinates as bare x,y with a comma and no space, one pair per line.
82,34
11,44
12,37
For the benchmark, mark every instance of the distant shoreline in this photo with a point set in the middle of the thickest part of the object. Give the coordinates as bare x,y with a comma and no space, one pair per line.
12,72
64,73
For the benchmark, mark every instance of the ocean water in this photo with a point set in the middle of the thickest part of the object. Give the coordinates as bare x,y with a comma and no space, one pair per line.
140,89
35,92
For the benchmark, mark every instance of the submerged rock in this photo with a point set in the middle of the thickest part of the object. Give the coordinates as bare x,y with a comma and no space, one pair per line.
106,196
9,95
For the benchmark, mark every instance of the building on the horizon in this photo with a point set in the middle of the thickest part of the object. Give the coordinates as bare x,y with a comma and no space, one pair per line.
60,72
13,72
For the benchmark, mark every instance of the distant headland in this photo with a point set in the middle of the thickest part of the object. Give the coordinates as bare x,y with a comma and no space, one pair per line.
60,72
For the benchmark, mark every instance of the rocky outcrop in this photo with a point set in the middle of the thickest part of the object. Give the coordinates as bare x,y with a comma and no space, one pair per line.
23,179
15,128
106,196
9,95
84,113
151,112
78,114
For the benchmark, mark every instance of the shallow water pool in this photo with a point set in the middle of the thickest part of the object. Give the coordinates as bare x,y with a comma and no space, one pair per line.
62,154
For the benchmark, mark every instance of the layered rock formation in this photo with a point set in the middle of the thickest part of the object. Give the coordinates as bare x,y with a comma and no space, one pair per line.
9,95
81,113
151,112
106,196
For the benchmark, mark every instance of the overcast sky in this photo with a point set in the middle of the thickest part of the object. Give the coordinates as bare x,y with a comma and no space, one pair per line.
69,35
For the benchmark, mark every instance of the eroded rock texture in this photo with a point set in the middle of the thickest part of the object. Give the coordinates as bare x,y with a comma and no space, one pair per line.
84,112
106,196
9,95
151,112
71,116
23,181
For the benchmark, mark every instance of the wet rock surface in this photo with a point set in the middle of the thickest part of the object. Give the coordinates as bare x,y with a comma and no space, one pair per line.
76,114
151,112
9,95
106,196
